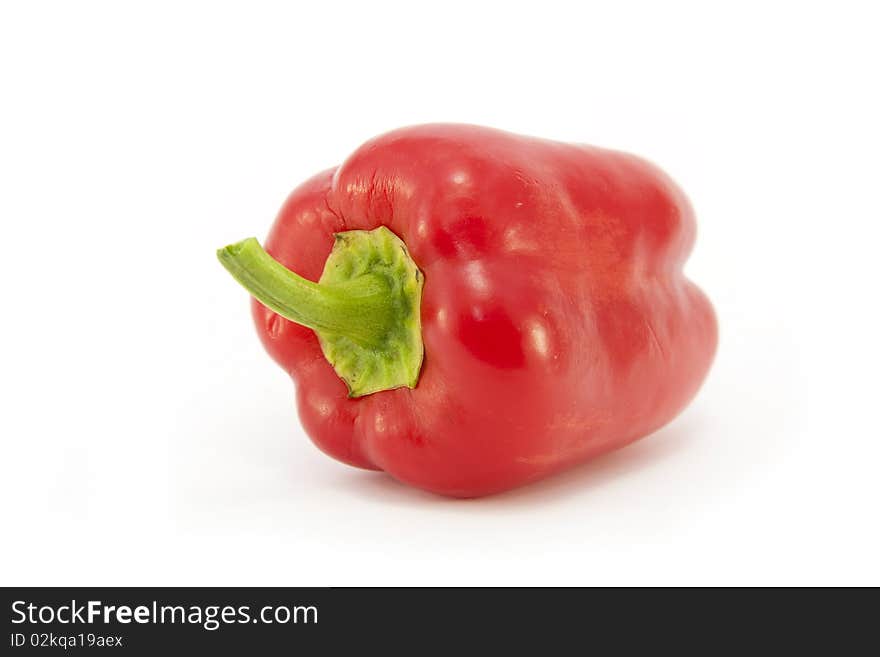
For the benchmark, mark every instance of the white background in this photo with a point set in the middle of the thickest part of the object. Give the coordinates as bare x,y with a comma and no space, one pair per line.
147,439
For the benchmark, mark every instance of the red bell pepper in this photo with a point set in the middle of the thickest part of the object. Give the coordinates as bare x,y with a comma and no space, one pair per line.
494,308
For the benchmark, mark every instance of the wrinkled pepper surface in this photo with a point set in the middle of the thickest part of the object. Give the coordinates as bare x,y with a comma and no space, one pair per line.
473,310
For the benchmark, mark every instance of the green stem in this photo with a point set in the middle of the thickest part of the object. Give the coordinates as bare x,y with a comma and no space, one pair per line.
365,309
360,309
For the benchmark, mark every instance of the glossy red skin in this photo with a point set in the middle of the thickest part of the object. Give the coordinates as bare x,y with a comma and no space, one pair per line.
556,319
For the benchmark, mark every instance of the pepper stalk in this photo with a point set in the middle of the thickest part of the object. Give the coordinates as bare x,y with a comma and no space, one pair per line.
365,308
